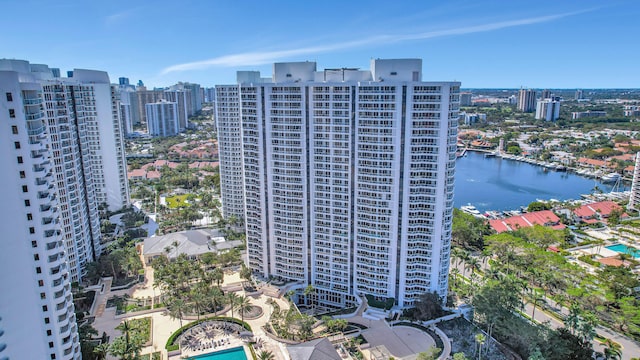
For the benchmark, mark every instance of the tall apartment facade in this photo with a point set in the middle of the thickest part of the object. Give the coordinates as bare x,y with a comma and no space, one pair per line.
36,310
162,118
548,109
634,200
347,175
527,100
86,150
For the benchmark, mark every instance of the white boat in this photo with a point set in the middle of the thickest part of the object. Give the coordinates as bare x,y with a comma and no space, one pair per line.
471,210
611,177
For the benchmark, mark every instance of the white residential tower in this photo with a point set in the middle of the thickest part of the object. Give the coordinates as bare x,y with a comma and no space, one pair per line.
347,176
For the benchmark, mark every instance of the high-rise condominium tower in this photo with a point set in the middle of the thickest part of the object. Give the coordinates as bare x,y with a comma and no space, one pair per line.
347,176
634,200
36,308
86,152
526,100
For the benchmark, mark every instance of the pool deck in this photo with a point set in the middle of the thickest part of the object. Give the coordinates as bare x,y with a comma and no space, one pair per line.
191,354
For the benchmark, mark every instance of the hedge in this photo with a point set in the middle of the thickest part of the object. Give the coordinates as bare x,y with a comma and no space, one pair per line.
170,346
387,304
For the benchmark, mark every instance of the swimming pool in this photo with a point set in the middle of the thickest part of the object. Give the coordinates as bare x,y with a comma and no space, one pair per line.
622,248
236,353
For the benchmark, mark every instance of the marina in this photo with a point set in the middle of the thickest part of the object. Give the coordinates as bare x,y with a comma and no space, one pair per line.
495,184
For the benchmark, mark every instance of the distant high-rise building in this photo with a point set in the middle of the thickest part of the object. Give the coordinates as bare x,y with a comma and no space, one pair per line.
546,94
162,118
634,200
347,176
465,99
63,152
579,94
210,94
548,109
526,100
123,81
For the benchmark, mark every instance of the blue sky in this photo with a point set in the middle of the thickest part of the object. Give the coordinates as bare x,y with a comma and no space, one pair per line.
539,44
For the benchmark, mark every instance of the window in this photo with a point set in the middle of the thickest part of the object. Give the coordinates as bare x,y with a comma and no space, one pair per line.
50,344
14,129
9,96
29,216
44,308
53,356
38,271
25,188
34,243
41,284
43,296
36,257
49,332
17,144
27,203
46,320
12,113
22,175
32,230
20,160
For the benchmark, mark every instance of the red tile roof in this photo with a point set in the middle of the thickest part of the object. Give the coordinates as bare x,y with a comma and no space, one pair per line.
597,210
498,225
592,162
544,218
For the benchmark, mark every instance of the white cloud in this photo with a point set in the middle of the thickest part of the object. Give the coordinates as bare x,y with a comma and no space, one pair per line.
266,57
117,17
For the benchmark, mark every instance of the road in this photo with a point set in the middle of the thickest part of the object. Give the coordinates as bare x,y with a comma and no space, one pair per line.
630,348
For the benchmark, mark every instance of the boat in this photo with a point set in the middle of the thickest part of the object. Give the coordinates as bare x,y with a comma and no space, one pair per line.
610,177
471,210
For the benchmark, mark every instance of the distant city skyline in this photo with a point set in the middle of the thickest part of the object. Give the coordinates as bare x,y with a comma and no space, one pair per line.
489,44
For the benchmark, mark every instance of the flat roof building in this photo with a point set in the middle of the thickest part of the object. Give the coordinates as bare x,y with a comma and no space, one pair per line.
344,177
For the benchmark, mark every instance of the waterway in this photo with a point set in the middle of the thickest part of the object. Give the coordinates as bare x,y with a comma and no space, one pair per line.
501,184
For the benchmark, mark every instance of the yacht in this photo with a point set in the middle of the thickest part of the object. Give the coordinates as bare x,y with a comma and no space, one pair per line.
471,210
609,178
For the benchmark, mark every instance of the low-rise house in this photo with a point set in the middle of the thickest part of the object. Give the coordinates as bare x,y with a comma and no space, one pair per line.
543,218
596,212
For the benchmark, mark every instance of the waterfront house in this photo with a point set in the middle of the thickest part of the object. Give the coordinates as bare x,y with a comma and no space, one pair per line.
596,212
543,218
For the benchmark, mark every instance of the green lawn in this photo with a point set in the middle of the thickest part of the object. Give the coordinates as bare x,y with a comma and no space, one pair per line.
177,201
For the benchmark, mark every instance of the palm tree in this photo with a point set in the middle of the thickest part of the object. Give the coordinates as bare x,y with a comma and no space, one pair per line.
101,351
472,264
308,291
243,305
198,295
587,328
480,340
232,298
612,350
572,321
454,273
127,346
216,297
536,297
177,308
218,276
266,355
